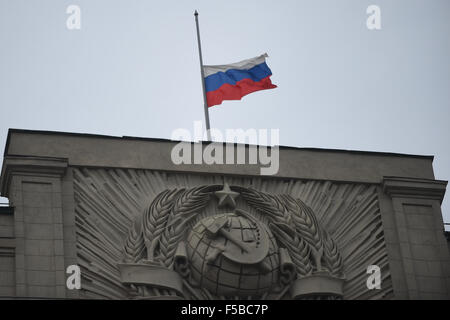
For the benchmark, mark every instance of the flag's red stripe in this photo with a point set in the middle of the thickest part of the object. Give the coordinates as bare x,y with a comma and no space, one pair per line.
237,91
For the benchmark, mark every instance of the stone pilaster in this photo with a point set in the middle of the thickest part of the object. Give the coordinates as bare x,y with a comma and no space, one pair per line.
34,188
418,235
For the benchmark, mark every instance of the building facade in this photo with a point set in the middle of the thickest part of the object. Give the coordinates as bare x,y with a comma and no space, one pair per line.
331,224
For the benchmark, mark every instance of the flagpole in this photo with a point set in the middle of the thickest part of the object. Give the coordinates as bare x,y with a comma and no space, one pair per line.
202,72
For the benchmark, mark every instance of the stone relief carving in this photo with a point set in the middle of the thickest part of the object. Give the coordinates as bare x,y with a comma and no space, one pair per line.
150,235
235,254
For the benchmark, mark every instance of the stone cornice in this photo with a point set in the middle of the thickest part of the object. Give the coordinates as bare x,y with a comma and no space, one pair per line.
155,154
36,166
414,188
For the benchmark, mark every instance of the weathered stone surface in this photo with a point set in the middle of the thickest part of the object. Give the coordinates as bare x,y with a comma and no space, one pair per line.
112,205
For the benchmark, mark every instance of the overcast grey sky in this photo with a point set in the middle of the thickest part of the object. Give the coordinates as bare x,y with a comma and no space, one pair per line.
133,70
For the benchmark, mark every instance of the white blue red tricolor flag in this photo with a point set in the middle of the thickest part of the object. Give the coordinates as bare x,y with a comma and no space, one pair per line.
233,81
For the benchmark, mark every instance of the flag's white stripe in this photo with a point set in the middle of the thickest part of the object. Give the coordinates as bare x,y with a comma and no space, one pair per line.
242,65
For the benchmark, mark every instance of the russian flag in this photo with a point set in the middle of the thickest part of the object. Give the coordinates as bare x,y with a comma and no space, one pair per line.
233,81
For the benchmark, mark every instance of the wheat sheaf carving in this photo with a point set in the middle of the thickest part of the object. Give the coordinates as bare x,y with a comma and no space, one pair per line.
134,248
187,205
163,226
297,228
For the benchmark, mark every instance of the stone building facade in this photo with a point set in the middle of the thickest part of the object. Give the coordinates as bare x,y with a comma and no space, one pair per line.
141,227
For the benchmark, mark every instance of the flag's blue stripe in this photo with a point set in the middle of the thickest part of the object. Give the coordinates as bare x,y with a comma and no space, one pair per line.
256,73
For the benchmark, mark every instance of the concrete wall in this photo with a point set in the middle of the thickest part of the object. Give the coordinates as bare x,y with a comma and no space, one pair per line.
37,178
316,164
7,253
38,236
414,232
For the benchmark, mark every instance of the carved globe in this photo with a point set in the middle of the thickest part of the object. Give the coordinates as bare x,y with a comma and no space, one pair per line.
233,255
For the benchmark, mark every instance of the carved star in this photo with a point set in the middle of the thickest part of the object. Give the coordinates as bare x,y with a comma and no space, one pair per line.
226,197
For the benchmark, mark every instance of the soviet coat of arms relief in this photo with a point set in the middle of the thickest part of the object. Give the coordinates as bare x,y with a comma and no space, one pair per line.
230,242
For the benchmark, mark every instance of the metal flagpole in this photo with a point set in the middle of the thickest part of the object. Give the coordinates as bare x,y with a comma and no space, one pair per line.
203,78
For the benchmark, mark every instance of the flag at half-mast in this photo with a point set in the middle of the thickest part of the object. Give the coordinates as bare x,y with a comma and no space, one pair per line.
233,81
